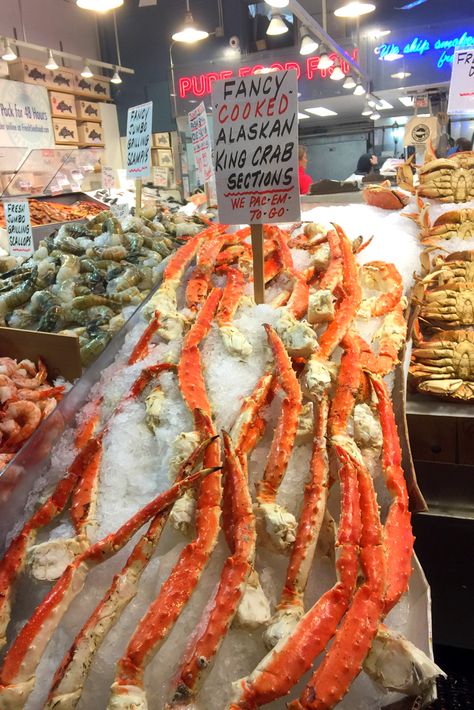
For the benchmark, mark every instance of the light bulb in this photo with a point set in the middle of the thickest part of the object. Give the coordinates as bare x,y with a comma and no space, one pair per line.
9,54
349,82
359,89
308,44
99,5
51,63
116,79
325,61
276,26
189,33
86,72
337,74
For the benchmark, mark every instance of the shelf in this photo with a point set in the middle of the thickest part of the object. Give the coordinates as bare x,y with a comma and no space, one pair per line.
91,145
67,144
66,117
89,120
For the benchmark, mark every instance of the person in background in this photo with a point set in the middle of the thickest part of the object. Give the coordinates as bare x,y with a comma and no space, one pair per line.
463,145
305,180
365,165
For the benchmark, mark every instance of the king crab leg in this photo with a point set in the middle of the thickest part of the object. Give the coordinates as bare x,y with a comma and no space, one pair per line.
177,589
235,573
70,677
200,281
275,523
235,342
19,665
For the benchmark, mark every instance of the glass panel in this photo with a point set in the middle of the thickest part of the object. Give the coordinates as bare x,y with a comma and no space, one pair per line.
10,160
80,172
36,172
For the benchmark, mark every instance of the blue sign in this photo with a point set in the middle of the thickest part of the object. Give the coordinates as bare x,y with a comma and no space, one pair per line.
440,48
20,235
139,141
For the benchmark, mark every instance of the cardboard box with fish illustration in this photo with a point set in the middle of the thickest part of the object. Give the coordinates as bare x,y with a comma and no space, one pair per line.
30,73
91,133
62,105
92,87
63,80
87,110
65,131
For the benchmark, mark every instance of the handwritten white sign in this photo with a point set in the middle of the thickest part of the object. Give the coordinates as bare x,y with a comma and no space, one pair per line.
139,141
461,88
20,235
256,148
120,211
160,177
201,142
108,180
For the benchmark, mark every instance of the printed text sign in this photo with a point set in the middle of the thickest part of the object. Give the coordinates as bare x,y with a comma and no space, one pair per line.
139,141
201,142
108,180
20,236
461,89
256,148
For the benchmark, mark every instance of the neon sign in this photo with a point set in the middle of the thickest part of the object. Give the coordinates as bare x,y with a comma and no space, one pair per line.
422,45
199,85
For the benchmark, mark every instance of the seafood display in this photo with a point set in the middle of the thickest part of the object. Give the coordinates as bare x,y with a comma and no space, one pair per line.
454,224
448,179
44,212
385,196
26,398
266,447
80,279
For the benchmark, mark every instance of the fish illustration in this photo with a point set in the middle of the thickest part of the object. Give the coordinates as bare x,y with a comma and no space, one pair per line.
63,106
83,84
99,89
35,74
65,132
94,136
91,111
60,80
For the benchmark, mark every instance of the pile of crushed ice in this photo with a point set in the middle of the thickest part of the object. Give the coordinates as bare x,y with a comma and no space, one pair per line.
135,468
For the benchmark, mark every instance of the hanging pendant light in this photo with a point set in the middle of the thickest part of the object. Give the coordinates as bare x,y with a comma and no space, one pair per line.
325,61
116,79
349,82
359,89
189,33
354,9
99,5
51,63
308,44
86,72
367,110
371,101
277,26
374,116
337,74
9,55
278,3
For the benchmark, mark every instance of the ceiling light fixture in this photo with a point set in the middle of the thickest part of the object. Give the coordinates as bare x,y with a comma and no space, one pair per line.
391,57
354,9
99,5
367,110
401,75
308,44
359,89
382,105
375,34
406,101
374,116
51,63
189,33
349,82
265,70
371,101
325,61
302,116
278,3
86,72
9,55
277,26
321,111
116,79
337,74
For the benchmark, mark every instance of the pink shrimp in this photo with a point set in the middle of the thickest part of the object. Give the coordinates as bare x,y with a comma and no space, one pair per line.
39,394
7,366
8,389
27,415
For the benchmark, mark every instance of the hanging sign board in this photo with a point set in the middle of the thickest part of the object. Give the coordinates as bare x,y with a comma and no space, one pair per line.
108,181
201,142
256,148
20,235
139,141
421,101
160,177
461,88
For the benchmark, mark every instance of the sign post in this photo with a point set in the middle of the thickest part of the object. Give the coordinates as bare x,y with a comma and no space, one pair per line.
461,88
20,234
202,146
256,155
139,147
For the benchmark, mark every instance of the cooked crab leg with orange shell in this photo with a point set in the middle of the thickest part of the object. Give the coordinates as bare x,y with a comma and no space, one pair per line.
19,665
384,277
353,639
235,342
276,525
176,591
290,607
237,568
199,282
71,675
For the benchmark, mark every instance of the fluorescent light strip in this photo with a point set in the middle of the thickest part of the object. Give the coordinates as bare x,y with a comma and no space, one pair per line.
302,116
406,101
321,111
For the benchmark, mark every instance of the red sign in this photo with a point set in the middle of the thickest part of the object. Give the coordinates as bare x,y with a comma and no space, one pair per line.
201,84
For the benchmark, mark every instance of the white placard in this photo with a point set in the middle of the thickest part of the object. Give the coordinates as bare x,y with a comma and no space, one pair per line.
20,235
25,116
120,211
201,142
108,180
256,148
160,177
139,141
461,89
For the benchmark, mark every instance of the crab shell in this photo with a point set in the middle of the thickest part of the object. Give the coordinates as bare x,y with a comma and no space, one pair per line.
384,197
443,366
448,179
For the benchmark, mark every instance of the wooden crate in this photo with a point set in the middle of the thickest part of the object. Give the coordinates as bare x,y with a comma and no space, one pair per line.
63,80
30,73
65,131
101,89
87,110
62,105
91,133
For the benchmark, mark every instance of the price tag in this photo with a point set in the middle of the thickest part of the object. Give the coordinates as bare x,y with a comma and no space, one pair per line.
256,148
160,177
120,211
20,235
139,141
108,181
201,142
461,88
